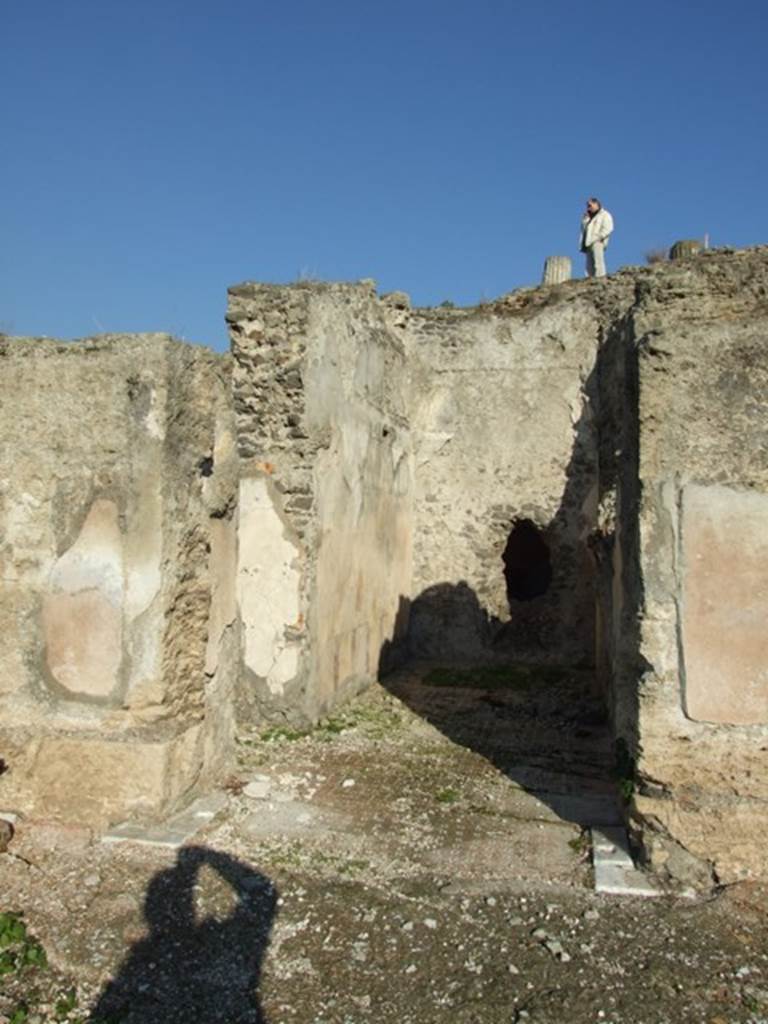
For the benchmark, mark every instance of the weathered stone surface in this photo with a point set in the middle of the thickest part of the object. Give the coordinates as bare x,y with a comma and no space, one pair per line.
503,433
505,483
82,612
326,492
688,553
728,834
142,775
725,604
117,494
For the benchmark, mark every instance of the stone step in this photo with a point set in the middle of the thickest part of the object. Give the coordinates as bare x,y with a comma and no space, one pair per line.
615,871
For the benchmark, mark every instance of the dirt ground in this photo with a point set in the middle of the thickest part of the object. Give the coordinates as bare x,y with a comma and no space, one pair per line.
422,856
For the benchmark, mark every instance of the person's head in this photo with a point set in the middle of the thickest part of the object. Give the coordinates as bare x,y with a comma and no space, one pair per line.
593,205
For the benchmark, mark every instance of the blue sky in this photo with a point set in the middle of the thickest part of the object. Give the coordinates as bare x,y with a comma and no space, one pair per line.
156,152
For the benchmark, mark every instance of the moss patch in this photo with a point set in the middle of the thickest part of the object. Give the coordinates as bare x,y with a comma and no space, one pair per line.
498,677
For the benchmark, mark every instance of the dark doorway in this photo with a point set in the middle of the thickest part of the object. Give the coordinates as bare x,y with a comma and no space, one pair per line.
527,563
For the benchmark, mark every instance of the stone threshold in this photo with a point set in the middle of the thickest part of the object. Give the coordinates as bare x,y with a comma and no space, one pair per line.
174,832
615,871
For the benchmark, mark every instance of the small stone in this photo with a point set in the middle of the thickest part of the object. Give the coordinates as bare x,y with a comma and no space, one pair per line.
408,926
557,950
512,969
6,834
410,969
347,783
491,901
591,915
258,788
430,922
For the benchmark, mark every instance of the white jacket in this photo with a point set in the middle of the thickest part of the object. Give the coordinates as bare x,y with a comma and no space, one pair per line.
595,229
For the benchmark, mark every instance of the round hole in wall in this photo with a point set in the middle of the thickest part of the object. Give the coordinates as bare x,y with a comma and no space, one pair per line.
527,563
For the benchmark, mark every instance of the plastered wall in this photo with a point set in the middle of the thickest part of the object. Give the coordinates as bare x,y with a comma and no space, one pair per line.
698,529
503,425
117,504
326,492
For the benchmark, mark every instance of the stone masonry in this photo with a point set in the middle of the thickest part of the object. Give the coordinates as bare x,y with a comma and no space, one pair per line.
326,492
573,474
117,502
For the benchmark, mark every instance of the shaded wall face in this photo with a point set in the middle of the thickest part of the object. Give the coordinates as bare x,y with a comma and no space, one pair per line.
109,590
364,495
326,494
700,525
506,476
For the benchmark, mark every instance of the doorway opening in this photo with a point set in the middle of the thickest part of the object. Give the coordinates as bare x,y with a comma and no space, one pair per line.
527,562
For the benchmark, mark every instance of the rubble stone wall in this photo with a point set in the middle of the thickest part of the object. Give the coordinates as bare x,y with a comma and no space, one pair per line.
326,492
117,488
504,433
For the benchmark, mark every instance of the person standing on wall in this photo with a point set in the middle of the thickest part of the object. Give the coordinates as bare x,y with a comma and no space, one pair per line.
596,228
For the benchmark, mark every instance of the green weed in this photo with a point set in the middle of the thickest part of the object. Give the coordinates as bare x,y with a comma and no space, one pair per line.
580,843
353,867
331,727
65,1004
449,795
19,950
625,770
282,734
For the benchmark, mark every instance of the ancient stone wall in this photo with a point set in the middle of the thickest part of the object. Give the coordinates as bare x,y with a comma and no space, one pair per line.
325,495
698,529
575,473
505,442
117,487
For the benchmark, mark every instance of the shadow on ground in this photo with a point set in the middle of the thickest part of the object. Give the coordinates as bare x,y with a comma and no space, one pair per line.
573,599
543,727
193,966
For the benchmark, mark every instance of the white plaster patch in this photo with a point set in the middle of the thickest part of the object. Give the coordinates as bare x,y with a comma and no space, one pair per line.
82,613
268,581
142,585
94,562
155,419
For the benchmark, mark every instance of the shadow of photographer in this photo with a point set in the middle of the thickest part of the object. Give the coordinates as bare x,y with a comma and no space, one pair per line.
189,968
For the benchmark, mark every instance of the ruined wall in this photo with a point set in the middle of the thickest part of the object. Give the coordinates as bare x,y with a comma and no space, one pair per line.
503,419
386,456
117,487
692,561
325,495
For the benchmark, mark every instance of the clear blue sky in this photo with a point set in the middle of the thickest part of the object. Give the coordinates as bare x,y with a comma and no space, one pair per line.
156,152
